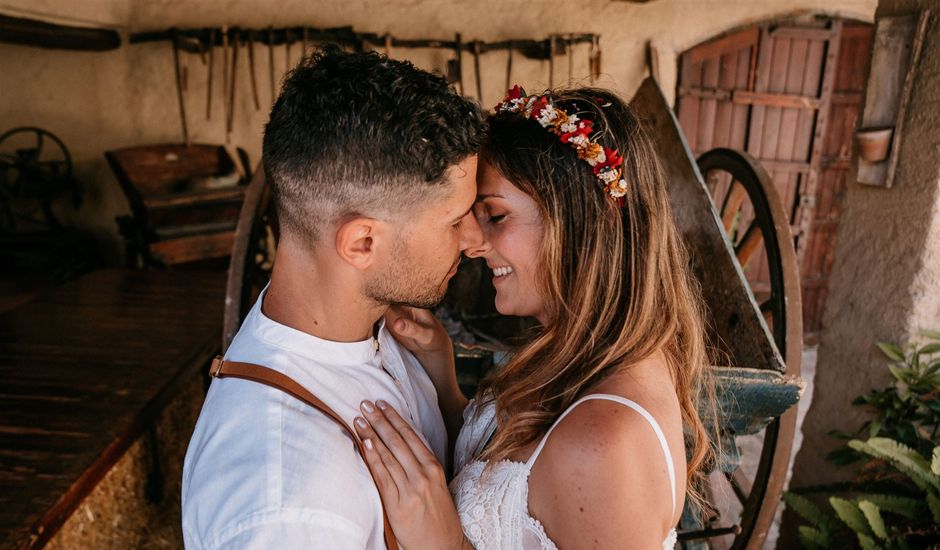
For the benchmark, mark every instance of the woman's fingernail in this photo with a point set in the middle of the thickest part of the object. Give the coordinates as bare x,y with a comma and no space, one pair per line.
366,406
361,422
382,404
367,443
400,325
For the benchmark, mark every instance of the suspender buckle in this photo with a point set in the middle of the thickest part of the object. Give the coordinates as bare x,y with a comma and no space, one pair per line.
216,368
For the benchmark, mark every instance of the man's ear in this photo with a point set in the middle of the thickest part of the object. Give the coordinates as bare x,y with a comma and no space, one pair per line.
355,241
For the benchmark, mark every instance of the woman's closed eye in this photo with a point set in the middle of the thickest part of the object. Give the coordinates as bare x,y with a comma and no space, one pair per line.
495,219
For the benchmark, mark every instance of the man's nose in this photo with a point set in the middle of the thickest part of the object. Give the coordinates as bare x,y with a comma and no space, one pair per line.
471,237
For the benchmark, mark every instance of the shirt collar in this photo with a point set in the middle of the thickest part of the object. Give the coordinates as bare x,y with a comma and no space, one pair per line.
363,352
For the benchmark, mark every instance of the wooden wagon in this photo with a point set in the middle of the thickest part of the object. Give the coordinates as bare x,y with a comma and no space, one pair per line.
727,209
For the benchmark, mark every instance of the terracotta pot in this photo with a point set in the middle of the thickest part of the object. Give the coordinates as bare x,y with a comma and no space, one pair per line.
873,143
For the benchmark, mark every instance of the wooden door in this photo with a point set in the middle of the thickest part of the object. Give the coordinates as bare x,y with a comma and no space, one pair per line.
789,96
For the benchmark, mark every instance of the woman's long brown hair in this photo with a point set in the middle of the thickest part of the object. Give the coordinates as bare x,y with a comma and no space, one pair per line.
616,282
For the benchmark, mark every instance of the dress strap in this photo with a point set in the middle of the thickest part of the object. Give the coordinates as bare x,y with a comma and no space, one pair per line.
670,467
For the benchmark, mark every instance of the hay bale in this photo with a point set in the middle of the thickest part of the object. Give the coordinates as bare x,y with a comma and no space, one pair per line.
118,514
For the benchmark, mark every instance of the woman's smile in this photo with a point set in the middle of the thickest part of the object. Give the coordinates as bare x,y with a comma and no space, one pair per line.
501,271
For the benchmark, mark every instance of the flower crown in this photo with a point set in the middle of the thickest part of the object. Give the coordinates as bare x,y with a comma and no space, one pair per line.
605,162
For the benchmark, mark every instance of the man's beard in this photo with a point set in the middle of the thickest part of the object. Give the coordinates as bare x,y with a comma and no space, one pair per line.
402,285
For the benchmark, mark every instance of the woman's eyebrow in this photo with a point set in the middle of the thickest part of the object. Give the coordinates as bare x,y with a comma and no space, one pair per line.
488,196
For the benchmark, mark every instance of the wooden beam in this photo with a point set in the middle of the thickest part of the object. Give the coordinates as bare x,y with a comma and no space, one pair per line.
785,166
846,98
770,99
725,44
819,137
705,93
32,32
802,33
776,165
195,40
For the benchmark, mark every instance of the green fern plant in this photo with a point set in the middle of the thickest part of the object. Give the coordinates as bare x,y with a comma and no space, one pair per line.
894,502
878,520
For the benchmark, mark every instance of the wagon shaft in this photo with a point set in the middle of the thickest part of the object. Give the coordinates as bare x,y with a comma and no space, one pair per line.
749,399
738,327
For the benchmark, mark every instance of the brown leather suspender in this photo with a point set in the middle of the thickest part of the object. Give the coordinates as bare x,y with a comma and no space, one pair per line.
275,379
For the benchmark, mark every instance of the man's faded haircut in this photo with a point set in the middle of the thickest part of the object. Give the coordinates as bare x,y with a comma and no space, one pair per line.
358,133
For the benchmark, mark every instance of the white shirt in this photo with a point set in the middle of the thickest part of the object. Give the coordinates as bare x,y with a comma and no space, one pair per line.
264,470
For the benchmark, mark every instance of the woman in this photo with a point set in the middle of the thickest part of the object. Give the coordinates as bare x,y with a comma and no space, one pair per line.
578,441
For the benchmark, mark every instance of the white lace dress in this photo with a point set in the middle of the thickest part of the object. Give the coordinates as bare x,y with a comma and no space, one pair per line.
494,509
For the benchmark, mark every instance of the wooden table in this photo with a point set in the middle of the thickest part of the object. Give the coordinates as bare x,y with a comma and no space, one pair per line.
83,370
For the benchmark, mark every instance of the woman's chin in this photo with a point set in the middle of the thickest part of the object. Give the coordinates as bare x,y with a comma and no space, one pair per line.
505,307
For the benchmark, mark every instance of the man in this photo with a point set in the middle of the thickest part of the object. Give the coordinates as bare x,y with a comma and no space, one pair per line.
372,163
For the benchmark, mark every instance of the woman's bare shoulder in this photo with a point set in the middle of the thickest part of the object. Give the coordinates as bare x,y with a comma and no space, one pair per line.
602,463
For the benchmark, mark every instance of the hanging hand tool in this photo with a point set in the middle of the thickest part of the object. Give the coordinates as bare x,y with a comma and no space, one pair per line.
231,89
452,69
596,65
570,52
251,69
458,65
211,47
179,85
509,67
388,46
287,63
551,62
271,61
225,77
476,70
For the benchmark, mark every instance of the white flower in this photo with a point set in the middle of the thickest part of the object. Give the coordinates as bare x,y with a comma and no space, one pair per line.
528,105
601,157
622,184
608,175
571,125
547,115
616,193
579,141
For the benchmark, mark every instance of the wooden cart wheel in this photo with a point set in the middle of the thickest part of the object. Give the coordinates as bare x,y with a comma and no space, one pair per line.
756,225
253,251
35,170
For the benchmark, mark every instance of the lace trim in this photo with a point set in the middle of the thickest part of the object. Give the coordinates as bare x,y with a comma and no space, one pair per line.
474,501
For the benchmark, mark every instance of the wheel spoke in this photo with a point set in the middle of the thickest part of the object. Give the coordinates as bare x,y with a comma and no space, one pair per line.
40,139
749,244
730,207
740,484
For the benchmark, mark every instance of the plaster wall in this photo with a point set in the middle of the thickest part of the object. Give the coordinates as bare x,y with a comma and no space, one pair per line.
97,101
885,283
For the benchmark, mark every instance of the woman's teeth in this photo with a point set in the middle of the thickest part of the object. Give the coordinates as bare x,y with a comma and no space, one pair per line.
501,271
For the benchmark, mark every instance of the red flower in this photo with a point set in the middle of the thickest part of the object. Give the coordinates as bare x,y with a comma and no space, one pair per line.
612,159
538,106
516,92
584,128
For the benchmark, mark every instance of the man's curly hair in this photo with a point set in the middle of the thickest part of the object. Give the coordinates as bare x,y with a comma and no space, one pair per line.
358,133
